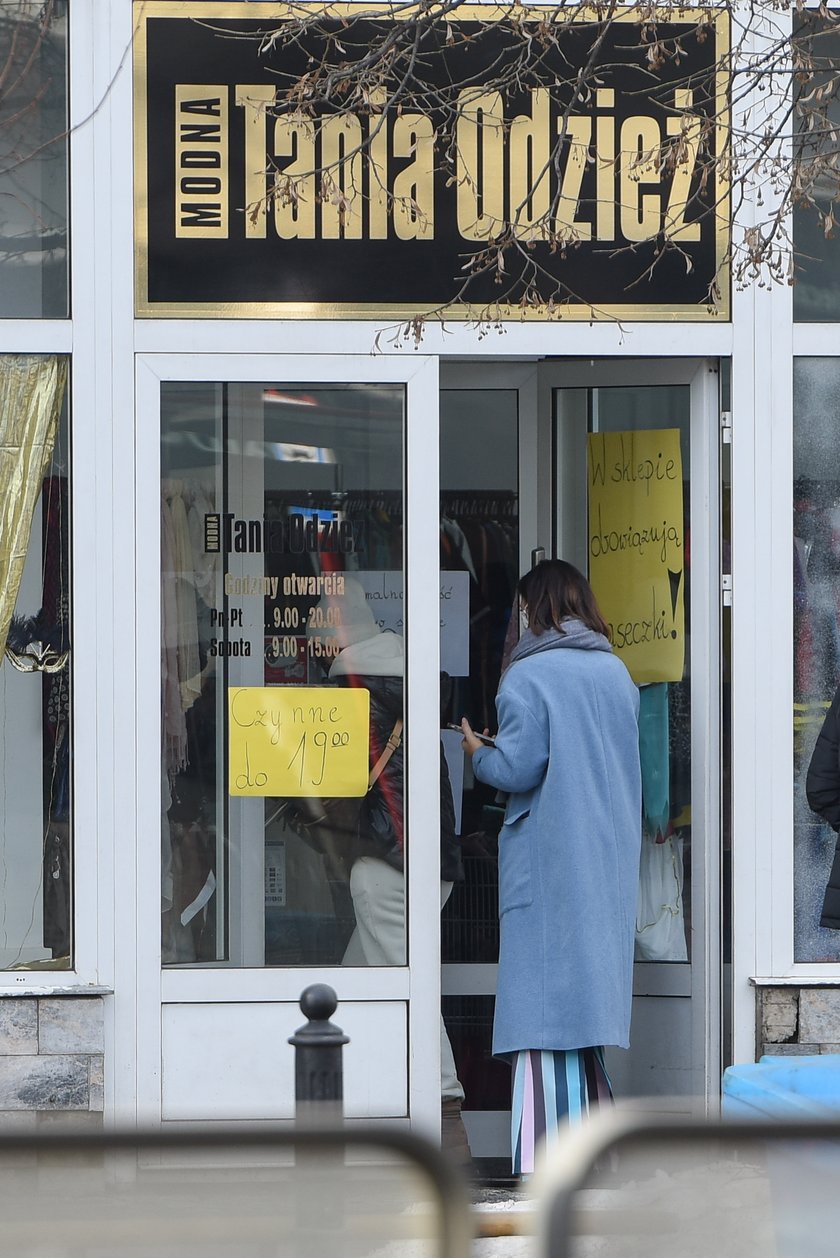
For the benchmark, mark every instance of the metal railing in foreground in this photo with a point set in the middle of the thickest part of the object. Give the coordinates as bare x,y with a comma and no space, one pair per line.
636,1187
316,1193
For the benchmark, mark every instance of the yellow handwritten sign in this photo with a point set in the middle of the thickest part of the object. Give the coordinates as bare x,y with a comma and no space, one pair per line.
298,740
636,547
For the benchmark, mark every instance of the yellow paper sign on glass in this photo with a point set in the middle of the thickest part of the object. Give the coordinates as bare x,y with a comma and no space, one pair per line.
636,547
298,740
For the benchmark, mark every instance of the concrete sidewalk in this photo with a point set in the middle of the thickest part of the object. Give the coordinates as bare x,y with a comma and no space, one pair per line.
501,1214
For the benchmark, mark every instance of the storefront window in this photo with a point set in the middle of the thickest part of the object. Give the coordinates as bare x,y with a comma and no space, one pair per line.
816,630
816,291
282,674
35,666
33,159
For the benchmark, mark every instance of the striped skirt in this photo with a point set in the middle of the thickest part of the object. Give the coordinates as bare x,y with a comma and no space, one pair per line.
550,1087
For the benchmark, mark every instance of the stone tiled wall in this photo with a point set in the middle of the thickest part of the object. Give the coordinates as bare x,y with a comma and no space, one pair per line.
51,1056
793,1021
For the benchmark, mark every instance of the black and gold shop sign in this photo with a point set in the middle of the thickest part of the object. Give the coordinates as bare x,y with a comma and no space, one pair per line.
608,199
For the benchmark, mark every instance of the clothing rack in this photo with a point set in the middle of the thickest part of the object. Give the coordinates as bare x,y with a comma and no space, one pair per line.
390,500
351,501
477,503
495,503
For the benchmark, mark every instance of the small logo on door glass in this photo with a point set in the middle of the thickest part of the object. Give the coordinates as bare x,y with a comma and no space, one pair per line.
212,534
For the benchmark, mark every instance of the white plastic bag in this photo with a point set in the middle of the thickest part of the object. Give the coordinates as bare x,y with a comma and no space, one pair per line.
660,924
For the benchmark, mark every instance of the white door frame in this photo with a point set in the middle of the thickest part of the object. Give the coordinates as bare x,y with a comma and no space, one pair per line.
417,984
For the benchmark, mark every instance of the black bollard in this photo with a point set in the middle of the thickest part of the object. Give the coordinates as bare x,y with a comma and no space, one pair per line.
319,1087
319,1095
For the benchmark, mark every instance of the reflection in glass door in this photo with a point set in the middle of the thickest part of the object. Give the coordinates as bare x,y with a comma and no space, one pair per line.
282,553
480,547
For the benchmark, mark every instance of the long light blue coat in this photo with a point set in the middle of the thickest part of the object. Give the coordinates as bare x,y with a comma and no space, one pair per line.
567,751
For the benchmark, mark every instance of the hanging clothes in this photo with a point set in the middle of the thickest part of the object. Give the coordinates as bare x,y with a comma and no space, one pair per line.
654,752
31,396
479,534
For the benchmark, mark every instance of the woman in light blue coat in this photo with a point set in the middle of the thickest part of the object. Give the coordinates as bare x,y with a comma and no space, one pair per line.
567,755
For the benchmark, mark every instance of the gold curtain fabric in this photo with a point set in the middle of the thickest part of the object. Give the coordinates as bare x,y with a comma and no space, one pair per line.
31,394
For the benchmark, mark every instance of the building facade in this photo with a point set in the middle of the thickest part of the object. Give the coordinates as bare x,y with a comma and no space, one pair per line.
213,456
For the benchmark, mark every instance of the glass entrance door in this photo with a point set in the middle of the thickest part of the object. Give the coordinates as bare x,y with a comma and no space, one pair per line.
288,632
612,466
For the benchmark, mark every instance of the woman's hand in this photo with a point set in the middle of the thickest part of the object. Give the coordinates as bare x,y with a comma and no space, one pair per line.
471,742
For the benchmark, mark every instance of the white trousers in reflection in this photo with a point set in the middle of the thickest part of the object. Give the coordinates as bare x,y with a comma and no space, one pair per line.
378,892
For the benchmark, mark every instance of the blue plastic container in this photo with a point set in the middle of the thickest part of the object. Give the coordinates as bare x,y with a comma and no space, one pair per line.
802,1175
784,1087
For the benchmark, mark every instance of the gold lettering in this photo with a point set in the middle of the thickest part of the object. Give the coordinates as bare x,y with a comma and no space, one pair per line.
688,127
398,177
294,185
192,133
211,107
530,193
201,201
341,191
566,225
378,167
605,178
200,159
640,214
480,163
414,192
255,98
199,218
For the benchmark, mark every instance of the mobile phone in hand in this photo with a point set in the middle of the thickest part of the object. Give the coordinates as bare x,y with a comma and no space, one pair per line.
484,738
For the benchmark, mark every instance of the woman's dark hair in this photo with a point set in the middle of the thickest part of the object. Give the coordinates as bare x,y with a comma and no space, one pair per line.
554,591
